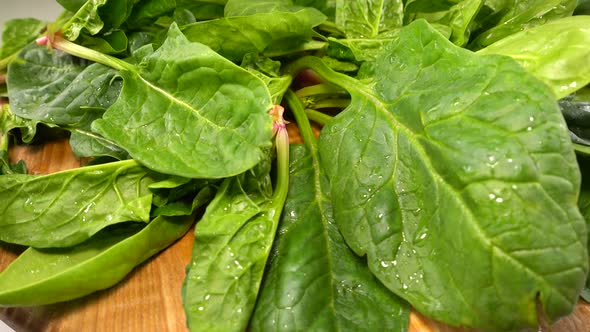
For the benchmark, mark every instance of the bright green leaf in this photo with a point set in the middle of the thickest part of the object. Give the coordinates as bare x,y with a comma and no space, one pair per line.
454,174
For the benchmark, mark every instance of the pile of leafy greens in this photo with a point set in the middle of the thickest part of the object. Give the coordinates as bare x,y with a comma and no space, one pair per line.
448,174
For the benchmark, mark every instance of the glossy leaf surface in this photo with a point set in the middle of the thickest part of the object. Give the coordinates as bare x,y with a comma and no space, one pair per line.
43,276
556,52
188,111
269,33
57,88
232,244
504,18
315,282
66,208
454,174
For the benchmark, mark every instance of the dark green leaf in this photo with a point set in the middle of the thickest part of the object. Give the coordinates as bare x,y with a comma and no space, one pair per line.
114,42
315,282
270,34
454,174
188,111
43,276
57,88
66,208
148,11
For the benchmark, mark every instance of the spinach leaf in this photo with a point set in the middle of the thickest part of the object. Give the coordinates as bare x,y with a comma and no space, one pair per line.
112,42
66,208
87,144
57,88
555,52
268,33
148,11
505,18
18,33
232,244
269,72
460,184
451,17
43,276
87,17
187,111
314,281
368,18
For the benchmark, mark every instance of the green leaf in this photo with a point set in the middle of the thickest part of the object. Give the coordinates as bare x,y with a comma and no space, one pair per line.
556,52
454,174
368,18
188,111
269,72
452,16
66,208
148,11
87,17
18,33
325,287
232,244
270,33
43,276
113,42
86,144
57,88
505,18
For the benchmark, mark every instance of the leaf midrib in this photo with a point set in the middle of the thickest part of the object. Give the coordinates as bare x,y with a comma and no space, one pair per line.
366,92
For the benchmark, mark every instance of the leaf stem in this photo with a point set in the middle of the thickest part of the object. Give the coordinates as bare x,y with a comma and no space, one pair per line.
317,116
299,112
282,146
319,89
58,42
321,69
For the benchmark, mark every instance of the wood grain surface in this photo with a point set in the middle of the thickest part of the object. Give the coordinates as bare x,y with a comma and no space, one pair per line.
148,299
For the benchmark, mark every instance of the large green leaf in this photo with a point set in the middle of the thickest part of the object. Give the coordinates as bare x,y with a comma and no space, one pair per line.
232,243
188,111
43,276
454,174
269,33
315,282
368,18
66,208
57,88
499,19
556,52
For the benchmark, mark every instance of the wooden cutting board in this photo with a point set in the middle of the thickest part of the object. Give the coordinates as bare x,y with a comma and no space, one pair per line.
148,299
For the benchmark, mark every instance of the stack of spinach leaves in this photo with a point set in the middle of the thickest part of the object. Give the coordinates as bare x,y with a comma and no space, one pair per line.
444,177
